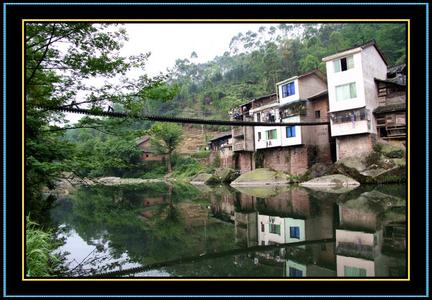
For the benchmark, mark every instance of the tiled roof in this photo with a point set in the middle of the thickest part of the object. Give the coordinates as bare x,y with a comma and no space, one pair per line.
142,139
390,108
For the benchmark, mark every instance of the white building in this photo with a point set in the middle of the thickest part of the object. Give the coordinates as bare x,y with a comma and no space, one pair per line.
280,230
266,109
353,96
294,96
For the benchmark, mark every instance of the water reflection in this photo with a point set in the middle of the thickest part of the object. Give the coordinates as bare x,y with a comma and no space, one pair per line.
187,231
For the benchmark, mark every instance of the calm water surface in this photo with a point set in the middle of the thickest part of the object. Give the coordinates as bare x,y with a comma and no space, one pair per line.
187,231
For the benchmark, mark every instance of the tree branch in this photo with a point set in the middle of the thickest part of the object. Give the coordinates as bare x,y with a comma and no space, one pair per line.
52,41
43,55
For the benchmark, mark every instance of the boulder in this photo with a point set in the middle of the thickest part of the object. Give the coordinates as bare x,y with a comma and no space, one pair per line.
262,176
332,183
224,175
201,178
316,170
355,163
350,170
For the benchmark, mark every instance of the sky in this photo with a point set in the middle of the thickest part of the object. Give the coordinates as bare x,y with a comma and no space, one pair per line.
168,42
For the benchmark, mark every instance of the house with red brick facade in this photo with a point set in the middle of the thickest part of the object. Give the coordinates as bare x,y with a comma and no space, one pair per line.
293,149
221,146
353,96
148,154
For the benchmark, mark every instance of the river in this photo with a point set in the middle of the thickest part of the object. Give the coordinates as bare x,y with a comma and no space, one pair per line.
157,230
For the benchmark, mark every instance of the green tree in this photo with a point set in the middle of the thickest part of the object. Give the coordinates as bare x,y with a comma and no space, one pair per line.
165,139
62,61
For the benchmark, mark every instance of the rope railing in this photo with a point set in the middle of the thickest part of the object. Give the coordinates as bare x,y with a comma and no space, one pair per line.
173,119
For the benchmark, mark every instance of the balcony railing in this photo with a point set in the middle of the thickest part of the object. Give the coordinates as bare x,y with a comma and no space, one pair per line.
350,116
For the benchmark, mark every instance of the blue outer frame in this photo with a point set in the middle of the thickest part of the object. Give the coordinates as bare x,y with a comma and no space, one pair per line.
218,296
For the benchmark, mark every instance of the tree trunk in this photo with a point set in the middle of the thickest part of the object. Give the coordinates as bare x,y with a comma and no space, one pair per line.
169,163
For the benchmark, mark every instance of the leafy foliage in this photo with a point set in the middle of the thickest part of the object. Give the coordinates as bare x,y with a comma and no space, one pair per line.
165,138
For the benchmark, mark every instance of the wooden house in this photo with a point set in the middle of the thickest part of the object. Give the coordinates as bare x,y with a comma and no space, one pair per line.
391,111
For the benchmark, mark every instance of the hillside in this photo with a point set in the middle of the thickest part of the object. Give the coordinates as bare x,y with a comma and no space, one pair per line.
195,138
256,61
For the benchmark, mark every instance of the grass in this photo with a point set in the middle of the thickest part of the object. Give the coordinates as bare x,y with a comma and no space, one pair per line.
40,260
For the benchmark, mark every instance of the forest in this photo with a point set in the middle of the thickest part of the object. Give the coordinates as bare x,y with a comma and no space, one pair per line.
256,61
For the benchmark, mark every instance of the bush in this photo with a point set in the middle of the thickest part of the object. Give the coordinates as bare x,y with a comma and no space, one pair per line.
399,153
186,167
377,147
373,158
201,154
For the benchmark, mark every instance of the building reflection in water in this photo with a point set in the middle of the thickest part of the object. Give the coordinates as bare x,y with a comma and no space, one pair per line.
273,216
371,238
369,229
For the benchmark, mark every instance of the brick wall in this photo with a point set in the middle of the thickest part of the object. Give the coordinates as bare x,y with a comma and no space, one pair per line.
245,161
226,158
320,134
358,219
293,160
300,160
277,159
354,145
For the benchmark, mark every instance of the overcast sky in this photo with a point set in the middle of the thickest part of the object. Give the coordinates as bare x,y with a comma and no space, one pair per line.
168,42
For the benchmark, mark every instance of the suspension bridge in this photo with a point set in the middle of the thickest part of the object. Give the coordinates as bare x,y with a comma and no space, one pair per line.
173,119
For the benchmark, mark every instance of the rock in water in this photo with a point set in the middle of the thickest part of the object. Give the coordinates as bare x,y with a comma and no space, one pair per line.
332,183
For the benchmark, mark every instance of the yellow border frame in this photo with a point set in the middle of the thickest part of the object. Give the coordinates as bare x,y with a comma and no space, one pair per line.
407,21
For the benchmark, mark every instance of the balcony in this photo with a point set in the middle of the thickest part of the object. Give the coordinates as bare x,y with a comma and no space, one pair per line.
350,122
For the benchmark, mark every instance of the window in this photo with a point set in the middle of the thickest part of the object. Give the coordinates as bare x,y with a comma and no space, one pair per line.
354,272
293,272
259,136
317,114
294,232
290,131
258,115
343,64
271,134
288,89
274,228
262,227
346,91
